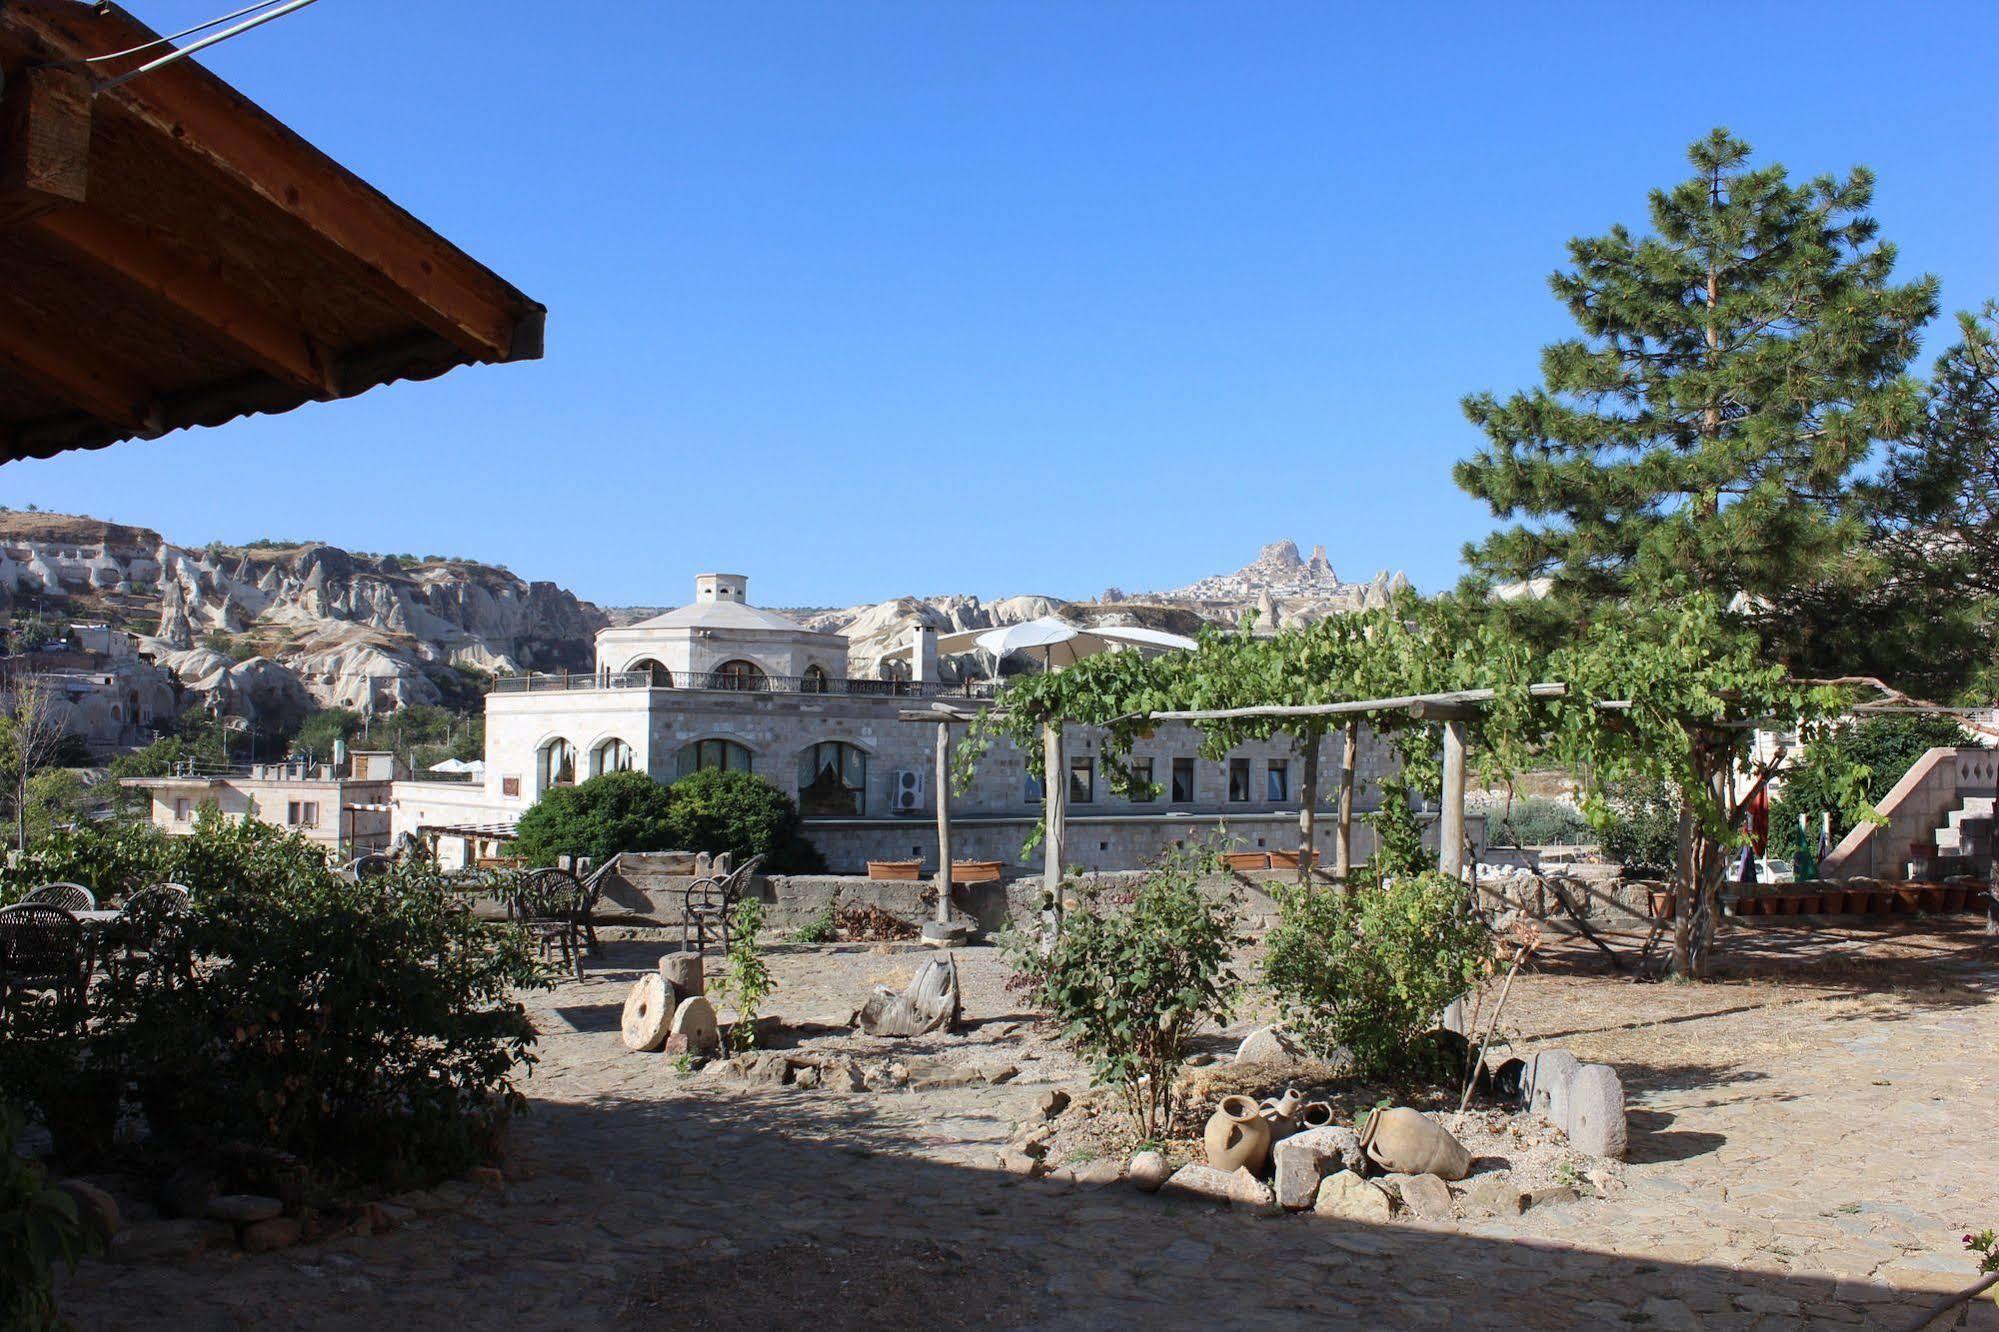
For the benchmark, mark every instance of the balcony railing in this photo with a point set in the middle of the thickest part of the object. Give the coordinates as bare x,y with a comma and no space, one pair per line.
744,683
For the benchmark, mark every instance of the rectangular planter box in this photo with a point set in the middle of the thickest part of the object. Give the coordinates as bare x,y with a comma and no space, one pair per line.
1247,860
975,871
895,869
1289,860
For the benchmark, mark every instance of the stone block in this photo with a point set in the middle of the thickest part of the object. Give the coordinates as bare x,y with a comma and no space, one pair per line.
1425,1195
242,1209
1594,1107
1347,1197
1304,1159
1492,1196
168,1241
1269,1045
1553,1196
278,1232
1147,1171
97,1209
1238,1188
1547,1070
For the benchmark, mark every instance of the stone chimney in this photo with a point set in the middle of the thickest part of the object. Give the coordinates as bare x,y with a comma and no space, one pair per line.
923,654
722,587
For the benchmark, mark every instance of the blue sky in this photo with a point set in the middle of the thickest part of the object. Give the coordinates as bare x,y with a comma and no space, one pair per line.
865,300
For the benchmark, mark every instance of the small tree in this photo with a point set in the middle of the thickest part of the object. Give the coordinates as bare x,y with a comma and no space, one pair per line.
1130,984
745,980
33,731
619,811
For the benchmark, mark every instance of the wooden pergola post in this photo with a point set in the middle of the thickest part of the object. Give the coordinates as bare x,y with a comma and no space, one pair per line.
1309,802
1343,836
1451,823
1054,813
943,823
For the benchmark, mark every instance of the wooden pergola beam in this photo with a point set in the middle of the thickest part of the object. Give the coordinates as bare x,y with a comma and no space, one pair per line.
1456,702
204,299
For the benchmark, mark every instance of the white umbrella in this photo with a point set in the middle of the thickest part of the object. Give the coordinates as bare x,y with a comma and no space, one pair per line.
1059,643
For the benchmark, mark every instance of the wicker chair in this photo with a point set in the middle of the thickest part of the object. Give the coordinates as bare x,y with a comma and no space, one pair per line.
552,906
68,896
705,908
42,952
149,935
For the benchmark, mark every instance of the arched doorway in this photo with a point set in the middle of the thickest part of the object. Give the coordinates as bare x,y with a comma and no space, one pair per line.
661,677
739,674
613,755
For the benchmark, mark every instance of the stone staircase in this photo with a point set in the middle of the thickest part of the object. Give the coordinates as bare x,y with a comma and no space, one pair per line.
1964,845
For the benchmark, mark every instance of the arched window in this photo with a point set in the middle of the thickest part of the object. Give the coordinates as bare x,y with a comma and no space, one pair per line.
726,755
662,678
814,681
833,778
554,765
614,755
739,674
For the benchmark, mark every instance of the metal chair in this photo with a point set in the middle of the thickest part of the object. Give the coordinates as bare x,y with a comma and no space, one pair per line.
68,896
551,905
42,952
708,902
149,935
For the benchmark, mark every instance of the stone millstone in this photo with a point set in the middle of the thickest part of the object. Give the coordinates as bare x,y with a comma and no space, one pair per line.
648,1010
1595,1105
695,1019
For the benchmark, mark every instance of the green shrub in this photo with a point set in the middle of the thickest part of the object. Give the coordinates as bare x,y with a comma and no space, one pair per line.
370,1028
1641,829
109,859
1536,821
619,811
38,1229
1131,983
1369,972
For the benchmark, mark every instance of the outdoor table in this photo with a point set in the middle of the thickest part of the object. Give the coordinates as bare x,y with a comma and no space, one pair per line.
98,917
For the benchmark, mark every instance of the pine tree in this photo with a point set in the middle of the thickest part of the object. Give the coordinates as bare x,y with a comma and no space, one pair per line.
1735,371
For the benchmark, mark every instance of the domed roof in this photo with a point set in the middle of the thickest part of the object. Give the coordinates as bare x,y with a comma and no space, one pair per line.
723,615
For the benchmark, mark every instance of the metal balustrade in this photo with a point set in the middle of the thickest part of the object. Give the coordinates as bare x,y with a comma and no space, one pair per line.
738,682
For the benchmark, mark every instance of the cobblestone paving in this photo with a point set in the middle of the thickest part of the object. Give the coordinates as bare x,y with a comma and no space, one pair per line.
1806,1152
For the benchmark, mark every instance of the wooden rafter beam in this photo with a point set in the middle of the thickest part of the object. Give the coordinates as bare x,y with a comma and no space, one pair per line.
1460,702
44,143
64,369
352,225
129,255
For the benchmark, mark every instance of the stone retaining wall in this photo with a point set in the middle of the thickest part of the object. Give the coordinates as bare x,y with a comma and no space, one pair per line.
649,890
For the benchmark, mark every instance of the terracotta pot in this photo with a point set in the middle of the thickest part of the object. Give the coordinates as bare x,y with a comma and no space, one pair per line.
1237,1135
1880,901
1953,898
1247,860
1662,904
975,871
1409,1142
1932,898
895,869
1314,1114
1282,1115
1908,899
1853,901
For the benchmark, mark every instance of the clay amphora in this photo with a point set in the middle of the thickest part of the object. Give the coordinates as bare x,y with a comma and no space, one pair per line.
1408,1142
1313,1115
1282,1115
1237,1135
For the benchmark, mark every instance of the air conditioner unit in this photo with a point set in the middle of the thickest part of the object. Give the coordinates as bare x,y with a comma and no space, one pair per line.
906,791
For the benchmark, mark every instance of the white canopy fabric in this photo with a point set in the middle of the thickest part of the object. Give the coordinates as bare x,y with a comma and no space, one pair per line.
459,765
1056,642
